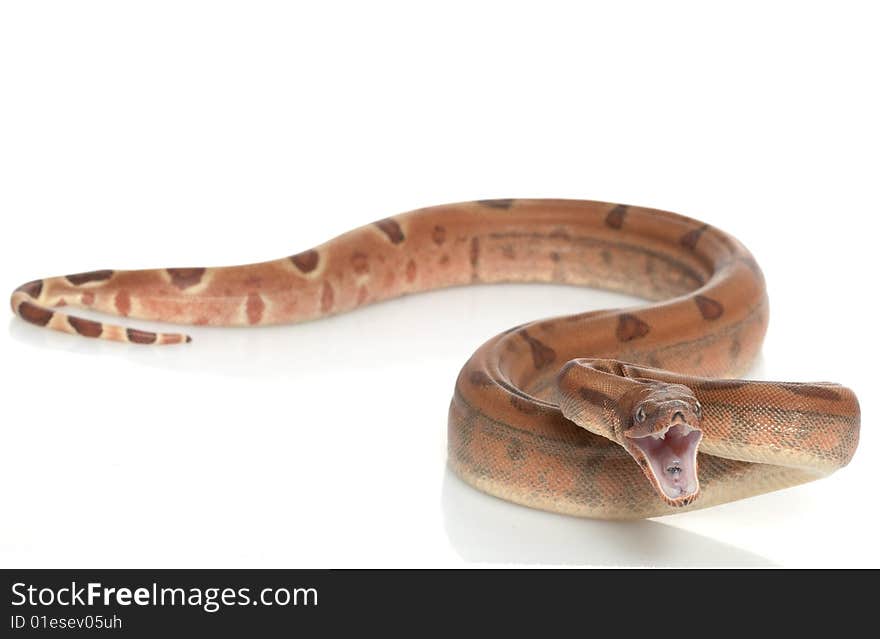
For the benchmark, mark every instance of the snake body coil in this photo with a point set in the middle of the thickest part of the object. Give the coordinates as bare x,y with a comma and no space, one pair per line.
622,413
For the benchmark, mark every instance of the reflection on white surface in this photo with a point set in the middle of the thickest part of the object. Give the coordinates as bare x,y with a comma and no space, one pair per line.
489,530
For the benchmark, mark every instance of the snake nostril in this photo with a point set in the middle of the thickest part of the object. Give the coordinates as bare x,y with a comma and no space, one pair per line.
678,415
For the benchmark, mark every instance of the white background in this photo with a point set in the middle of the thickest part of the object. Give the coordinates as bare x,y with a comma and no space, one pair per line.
144,134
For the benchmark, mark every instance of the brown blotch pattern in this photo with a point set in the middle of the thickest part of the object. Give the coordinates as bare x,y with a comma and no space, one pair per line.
444,260
524,406
85,327
438,235
752,265
122,301
475,252
360,263
515,450
392,229
689,240
595,397
479,378
630,327
327,296
411,271
811,390
185,277
254,308
35,314
508,331
32,288
307,261
735,348
709,308
612,367
503,203
615,216
78,279
542,355
140,337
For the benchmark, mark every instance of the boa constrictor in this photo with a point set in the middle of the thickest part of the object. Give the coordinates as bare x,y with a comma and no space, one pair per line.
622,413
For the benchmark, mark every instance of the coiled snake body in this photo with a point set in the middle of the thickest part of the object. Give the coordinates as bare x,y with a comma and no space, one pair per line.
622,413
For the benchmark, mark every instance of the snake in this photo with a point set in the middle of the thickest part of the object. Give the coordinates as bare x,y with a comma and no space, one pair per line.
621,413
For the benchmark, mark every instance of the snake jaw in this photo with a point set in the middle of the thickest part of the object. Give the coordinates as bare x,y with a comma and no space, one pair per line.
669,458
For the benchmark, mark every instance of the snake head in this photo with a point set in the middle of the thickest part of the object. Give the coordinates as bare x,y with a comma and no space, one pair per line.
662,433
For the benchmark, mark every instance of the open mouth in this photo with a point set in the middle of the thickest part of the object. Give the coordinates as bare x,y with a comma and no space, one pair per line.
672,458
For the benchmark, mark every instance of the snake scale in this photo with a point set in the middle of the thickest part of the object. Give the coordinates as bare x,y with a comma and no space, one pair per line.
616,414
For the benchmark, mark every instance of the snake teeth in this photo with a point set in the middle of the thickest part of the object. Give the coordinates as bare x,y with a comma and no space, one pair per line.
685,430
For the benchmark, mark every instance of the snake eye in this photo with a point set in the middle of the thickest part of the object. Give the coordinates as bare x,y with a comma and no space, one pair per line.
698,409
640,414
